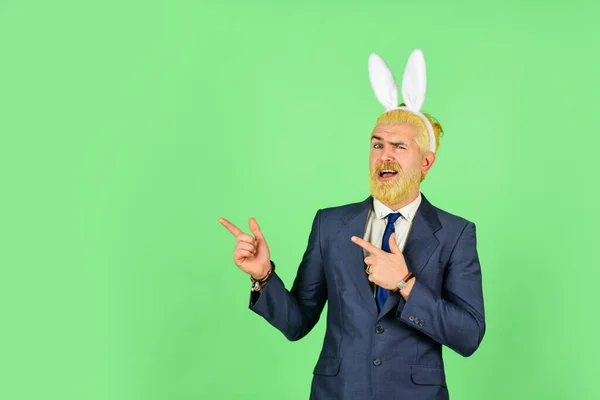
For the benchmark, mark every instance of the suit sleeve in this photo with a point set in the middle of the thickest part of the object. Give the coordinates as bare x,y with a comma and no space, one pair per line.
456,319
297,311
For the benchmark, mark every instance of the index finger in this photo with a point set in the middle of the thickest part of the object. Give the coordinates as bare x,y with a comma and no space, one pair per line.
235,231
366,245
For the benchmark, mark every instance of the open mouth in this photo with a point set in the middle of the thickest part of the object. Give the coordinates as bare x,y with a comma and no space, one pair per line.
387,173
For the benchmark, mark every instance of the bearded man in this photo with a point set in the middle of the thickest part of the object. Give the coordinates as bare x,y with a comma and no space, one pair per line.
401,277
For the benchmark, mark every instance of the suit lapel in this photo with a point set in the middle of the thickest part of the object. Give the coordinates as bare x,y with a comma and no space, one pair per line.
421,240
420,244
353,224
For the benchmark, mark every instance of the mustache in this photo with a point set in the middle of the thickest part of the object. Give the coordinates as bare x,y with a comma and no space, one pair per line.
387,165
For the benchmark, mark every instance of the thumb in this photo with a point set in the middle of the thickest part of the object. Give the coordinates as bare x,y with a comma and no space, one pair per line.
393,245
255,229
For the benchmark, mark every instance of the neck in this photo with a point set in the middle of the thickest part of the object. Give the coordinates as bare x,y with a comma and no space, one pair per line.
407,200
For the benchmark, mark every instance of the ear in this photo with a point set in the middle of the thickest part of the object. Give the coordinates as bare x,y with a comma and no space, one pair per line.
427,163
414,81
383,82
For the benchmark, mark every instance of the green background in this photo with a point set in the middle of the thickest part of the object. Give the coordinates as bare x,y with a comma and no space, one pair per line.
129,127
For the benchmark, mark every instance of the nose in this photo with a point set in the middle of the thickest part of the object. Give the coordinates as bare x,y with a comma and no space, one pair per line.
387,155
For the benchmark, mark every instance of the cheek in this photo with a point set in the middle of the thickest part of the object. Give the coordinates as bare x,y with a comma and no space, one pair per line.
401,161
411,162
372,160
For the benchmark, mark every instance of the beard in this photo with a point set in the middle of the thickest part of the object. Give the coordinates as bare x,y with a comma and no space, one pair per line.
394,190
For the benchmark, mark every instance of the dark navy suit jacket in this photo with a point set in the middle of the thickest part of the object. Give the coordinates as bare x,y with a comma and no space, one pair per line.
395,353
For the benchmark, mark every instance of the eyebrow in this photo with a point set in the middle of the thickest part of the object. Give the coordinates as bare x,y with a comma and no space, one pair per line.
392,143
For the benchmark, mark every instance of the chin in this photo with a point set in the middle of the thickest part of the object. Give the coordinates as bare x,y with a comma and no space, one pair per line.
389,196
395,190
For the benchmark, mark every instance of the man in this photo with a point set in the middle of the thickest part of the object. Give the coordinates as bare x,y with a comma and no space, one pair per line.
401,276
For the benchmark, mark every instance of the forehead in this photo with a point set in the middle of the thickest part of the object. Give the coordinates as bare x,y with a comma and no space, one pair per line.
396,132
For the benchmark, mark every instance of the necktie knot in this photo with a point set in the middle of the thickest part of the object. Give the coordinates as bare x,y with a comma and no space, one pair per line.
393,217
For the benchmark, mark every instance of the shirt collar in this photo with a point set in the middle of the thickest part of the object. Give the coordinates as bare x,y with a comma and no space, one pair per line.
408,211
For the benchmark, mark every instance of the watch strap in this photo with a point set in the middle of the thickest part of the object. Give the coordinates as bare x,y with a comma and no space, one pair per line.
404,281
258,284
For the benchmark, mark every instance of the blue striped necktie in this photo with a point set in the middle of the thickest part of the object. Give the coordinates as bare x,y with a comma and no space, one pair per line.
382,294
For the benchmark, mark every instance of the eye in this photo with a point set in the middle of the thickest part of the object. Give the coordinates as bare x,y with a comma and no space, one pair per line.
377,146
401,147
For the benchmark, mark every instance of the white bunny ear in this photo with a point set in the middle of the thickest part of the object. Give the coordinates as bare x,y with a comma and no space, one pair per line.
383,82
414,81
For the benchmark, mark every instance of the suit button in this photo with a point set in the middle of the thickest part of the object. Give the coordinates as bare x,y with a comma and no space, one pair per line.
377,362
379,329
421,323
411,318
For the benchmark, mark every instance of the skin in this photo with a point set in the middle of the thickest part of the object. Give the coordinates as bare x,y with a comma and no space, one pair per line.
251,254
393,146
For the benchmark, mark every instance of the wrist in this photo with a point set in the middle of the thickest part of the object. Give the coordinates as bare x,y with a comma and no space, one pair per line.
404,282
259,283
405,291
262,275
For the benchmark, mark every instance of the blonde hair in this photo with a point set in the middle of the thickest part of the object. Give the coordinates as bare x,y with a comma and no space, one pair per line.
406,117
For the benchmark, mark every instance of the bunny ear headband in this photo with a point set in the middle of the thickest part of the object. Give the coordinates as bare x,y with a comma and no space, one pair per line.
414,84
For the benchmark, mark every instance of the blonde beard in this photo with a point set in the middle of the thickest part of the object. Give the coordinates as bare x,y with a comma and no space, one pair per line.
397,189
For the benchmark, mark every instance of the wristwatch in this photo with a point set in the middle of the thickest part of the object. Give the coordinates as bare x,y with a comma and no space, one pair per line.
403,282
257,285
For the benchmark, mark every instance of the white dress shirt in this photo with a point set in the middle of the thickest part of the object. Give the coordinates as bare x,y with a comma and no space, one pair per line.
377,221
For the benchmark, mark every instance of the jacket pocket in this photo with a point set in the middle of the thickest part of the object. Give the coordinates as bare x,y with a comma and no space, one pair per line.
328,366
424,375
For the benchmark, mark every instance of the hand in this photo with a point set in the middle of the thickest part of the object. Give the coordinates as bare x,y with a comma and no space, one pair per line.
251,254
386,269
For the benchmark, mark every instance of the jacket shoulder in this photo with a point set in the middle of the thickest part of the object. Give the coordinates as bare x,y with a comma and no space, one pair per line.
449,219
344,209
